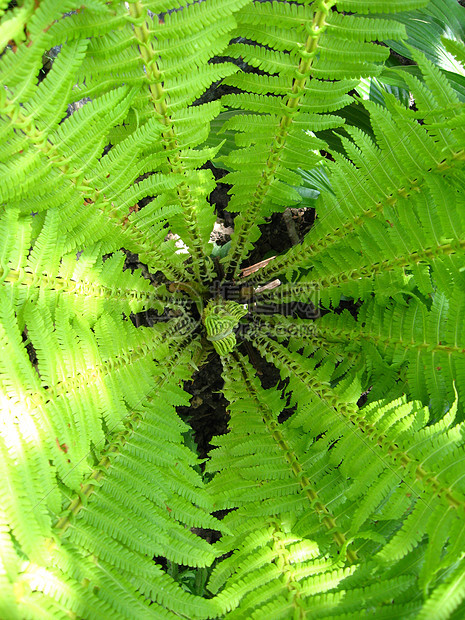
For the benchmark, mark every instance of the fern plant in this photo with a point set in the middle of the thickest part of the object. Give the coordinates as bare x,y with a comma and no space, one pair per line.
323,507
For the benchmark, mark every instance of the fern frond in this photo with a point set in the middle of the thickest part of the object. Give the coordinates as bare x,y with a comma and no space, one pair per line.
319,506
299,44
432,480
447,597
90,385
377,183
279,564
264,471
424,342
87,212
380,6
84,284
428,342
156,55
244,456
12,24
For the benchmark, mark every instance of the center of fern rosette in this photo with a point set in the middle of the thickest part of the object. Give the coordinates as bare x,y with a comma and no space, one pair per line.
220,318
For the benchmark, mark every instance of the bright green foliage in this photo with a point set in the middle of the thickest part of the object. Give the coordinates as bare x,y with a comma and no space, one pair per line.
323,507
220,319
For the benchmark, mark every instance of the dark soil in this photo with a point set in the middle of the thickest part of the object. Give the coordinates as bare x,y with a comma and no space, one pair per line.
275,237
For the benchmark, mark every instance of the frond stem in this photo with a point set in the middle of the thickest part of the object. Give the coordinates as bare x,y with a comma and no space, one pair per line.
425,255
311,246
113,448
400,460
327,518
92,197
304,72
202,265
